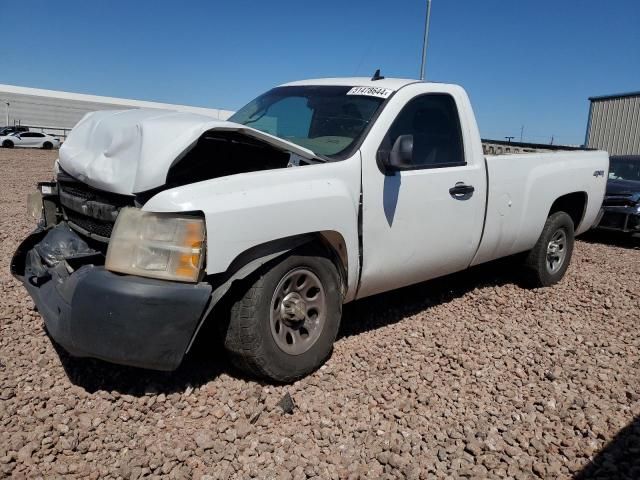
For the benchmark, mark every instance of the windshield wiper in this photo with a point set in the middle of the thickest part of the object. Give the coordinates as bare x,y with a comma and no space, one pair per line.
321,158
264,112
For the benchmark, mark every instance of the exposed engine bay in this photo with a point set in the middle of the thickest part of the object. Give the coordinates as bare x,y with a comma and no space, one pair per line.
220,154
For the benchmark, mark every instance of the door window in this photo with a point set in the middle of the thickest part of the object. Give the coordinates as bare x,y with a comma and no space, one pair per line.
433,122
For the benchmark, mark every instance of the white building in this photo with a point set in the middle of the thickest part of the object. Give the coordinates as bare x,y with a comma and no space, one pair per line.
57,112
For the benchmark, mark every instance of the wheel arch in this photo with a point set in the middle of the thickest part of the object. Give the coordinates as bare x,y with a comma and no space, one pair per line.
254,258
573,204
331,241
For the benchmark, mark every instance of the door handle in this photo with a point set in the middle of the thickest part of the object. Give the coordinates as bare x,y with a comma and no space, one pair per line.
461,191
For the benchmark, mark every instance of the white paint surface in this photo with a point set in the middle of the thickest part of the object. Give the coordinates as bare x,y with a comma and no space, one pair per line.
412,228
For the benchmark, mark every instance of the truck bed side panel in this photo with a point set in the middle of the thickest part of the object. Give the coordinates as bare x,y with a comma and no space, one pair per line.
522,189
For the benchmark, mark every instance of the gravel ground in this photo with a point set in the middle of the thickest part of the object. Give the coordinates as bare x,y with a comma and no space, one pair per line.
468,376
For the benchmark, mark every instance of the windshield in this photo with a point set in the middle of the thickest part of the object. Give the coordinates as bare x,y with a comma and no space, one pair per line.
624,169
325,119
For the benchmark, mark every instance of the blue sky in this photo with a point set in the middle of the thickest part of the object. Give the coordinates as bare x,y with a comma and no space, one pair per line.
523,62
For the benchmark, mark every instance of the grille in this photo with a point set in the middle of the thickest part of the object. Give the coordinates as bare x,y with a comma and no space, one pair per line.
91,225
77,192
89,217
85,192
621,201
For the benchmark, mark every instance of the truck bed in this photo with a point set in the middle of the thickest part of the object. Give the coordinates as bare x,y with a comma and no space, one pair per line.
513,220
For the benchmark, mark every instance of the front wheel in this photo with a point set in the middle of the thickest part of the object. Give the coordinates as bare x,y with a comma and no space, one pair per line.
47,145
283,323
7,144
549,259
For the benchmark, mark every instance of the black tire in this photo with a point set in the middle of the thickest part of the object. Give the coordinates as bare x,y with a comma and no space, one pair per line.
539,269
249,340
47,146
7,144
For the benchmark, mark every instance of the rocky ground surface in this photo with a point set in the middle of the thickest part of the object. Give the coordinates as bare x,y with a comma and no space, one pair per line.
469,376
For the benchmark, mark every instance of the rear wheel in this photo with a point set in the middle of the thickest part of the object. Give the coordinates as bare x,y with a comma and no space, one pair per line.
7,144
284,321
47,145
549,259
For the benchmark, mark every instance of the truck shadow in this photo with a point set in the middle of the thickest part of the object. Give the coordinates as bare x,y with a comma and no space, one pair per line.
615,239
202,365
391,307
207,359
620,458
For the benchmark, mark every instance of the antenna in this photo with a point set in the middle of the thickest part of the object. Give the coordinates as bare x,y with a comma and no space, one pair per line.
377,76
426,40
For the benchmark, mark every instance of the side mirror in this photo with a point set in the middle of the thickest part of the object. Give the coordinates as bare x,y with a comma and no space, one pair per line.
400,156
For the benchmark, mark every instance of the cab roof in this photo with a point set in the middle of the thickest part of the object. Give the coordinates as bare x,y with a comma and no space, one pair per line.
390,83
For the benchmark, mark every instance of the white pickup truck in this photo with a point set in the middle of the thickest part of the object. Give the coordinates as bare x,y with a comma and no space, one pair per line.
315,194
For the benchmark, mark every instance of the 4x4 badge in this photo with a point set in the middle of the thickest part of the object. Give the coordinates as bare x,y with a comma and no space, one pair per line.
598,173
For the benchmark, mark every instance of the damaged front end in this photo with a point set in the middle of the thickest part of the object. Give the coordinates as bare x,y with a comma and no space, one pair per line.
96,301
88,310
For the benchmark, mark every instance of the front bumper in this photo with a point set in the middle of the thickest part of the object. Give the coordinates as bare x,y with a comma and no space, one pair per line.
622,219
123,319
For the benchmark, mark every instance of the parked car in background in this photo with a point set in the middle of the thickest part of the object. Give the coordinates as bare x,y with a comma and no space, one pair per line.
30,140
621,203
4,131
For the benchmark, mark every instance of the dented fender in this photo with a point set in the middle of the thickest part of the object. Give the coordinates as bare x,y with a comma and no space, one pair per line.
251,209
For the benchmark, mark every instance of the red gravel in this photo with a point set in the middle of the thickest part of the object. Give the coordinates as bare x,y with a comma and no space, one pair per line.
469,376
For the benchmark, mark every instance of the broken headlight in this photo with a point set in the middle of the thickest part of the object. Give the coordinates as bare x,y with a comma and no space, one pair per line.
34,205
158,245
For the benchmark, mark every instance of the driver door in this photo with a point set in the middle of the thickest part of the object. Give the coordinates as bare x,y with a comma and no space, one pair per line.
425,219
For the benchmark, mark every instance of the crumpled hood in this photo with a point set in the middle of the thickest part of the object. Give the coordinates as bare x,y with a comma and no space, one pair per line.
131,151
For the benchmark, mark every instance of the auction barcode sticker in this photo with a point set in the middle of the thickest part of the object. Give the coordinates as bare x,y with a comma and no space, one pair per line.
371,91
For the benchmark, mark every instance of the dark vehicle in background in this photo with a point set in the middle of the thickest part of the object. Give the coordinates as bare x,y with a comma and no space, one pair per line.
621,203
4,131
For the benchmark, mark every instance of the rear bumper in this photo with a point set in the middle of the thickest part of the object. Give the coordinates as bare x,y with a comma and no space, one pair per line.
123,319
622,219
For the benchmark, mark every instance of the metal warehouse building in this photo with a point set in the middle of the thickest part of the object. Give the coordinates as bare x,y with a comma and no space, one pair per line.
614,124
57,112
